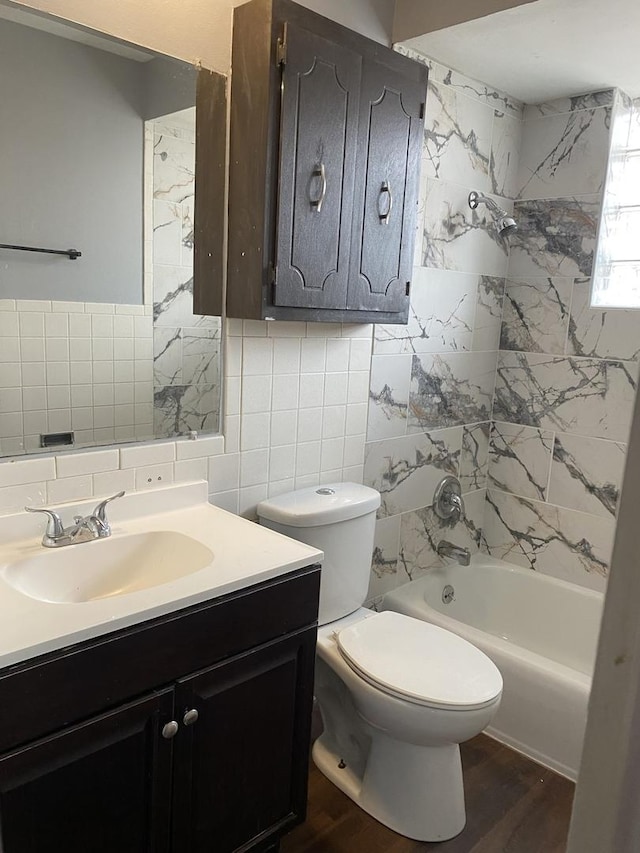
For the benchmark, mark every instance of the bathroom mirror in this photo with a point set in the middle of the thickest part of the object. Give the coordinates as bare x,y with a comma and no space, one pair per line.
102,233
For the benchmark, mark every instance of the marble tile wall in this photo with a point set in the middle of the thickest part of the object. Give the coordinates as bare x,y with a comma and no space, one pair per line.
186,346
566,374
505,376
432,382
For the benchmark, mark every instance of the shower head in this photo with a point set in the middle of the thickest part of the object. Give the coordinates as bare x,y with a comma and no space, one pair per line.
505,224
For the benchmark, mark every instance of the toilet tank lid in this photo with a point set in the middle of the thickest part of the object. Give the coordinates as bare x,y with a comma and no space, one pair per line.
319,505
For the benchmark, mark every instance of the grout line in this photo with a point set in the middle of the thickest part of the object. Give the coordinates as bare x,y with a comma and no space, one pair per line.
553,447
561,507
566,332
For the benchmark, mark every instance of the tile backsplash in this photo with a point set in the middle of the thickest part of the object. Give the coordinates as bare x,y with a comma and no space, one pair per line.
295,415
56,479
80,366
295,408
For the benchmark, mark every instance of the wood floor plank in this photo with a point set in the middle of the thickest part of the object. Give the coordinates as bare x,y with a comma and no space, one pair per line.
513,806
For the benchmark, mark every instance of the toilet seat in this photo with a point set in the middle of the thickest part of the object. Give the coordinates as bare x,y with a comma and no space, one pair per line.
420,662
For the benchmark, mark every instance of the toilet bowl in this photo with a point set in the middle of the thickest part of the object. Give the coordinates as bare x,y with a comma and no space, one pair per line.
397,695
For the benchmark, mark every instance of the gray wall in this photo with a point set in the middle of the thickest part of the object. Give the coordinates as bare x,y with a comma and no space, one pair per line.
372,18
71,160
170,86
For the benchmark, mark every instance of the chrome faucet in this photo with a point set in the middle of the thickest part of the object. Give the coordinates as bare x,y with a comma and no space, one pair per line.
447,499
457,503
83,529
456,552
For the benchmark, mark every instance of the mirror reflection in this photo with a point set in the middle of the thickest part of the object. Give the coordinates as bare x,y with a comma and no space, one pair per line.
98,339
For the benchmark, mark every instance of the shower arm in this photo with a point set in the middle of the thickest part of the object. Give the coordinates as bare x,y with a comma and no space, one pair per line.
476,198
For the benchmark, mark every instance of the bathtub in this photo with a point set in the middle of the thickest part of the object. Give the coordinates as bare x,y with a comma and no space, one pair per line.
542,633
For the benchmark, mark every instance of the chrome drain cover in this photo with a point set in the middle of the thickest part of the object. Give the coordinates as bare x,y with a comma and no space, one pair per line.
448,594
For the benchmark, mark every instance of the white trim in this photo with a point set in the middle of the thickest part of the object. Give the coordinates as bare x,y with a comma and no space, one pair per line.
606,817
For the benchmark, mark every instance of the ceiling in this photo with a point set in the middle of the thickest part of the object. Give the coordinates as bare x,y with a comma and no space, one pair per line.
546,49
74,32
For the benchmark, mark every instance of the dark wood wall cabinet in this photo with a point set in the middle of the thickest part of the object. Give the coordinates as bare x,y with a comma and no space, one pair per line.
326,137
186,734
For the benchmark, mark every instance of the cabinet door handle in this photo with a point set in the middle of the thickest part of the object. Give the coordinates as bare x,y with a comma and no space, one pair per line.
170,730
190,717
385,190
319,172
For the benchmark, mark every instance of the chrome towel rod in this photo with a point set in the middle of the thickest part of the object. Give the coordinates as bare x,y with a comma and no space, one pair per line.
72,254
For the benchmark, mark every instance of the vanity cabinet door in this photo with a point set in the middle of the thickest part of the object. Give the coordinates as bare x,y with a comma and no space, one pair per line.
98,787
386,193
241,766
318,126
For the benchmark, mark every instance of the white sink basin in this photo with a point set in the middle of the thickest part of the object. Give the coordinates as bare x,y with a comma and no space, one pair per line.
170,549
107,567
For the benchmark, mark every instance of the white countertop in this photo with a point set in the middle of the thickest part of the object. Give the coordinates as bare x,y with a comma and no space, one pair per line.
244,554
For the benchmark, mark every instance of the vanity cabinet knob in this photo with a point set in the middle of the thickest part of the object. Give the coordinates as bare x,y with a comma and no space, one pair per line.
190,717
170,730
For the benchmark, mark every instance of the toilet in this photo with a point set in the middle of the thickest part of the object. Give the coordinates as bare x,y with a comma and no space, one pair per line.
397,695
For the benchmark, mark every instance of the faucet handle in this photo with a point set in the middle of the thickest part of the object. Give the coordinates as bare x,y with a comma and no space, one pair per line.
55,528
100,512
456,501
447,500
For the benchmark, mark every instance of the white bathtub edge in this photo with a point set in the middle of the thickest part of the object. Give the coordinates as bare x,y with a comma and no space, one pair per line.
537,688
545,761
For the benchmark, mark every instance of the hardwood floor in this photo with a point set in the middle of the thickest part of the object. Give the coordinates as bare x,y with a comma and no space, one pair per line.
513,806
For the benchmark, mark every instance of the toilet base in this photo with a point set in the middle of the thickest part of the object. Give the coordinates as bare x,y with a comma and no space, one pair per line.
416,791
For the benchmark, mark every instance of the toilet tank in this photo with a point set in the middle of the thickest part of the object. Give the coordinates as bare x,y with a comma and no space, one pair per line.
339,519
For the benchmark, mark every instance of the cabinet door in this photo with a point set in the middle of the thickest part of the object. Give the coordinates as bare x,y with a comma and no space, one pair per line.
386,191
241,767
319,121
99,787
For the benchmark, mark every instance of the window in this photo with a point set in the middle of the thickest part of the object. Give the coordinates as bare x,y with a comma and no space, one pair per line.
616,272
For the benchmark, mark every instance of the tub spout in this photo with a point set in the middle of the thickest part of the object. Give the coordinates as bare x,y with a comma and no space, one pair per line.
448,549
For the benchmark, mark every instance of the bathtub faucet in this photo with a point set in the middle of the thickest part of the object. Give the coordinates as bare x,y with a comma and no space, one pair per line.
448,549
447,499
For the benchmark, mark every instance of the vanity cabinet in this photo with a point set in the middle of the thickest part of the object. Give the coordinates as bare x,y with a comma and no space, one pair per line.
326,135
240,772
103,785
185,734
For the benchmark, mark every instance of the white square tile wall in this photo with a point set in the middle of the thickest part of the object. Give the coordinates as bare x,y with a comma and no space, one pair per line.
288,423
61,365
289,405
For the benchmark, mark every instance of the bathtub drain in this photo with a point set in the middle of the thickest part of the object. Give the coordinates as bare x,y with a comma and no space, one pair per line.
447,594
